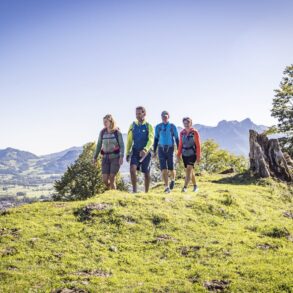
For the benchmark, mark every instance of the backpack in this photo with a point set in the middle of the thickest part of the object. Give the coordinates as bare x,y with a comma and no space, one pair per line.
172,129
117,150
193,147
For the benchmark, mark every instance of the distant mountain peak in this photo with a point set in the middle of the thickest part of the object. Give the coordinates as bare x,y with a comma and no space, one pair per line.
12,153
246,120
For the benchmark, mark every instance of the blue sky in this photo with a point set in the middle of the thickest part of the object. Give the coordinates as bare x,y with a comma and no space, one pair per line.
64,64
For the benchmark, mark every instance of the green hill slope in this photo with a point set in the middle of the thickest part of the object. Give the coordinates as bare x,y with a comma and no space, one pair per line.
233,236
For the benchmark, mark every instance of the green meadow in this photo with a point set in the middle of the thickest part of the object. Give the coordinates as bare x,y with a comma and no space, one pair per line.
234,235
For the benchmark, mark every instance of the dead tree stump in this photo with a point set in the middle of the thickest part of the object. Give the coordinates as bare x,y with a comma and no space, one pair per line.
267,159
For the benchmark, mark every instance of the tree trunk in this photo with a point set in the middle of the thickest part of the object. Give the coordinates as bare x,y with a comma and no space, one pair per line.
267,159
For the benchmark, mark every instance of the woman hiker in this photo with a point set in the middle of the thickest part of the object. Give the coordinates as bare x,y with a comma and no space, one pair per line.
111,146
189,148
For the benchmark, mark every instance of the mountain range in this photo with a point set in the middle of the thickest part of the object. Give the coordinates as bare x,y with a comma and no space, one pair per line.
230,135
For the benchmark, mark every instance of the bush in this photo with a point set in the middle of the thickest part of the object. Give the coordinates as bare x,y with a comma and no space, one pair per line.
216,160
82,179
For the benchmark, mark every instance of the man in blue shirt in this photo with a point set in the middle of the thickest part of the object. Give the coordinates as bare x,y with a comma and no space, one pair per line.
165,135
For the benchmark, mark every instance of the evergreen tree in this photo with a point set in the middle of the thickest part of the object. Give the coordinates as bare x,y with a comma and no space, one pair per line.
82,179
283,110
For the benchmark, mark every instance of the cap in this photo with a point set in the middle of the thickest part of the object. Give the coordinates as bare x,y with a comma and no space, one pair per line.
165,113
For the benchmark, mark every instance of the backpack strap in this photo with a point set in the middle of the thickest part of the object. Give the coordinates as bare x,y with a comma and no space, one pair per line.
116,136
172,130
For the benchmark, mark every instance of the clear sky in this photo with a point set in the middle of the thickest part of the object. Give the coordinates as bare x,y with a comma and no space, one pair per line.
64,64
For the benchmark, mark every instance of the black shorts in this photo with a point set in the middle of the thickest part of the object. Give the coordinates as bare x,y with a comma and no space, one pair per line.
166,158
143,166
190,160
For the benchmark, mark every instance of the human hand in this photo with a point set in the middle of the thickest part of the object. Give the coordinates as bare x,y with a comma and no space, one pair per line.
142,153
120,161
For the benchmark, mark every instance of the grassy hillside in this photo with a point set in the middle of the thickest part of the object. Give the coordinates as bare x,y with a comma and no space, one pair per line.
234,235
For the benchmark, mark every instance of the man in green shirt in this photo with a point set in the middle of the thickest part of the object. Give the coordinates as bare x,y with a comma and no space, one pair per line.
139,143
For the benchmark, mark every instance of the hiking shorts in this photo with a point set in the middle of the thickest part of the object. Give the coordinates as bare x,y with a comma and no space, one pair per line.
145,165
166,158
189,160
110,166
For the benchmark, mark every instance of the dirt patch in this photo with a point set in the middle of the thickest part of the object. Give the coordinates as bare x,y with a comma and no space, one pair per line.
266,246
216,285
164,238
12,268
98,206
94,273
288,214
187,250
9,232
69,290
85,213
59,205
8,251
129,219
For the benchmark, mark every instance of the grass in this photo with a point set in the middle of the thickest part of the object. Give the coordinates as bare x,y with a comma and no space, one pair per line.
231,236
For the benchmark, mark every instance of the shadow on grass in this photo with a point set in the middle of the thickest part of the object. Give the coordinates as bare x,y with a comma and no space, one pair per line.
244,179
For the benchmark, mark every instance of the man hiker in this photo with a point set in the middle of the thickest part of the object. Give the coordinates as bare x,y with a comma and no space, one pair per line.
165,134
189,148
139,143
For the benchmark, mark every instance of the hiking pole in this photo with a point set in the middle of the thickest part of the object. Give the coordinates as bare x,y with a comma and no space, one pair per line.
142,159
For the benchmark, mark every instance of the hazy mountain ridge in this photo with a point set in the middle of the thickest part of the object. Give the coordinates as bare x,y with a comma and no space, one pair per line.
230,135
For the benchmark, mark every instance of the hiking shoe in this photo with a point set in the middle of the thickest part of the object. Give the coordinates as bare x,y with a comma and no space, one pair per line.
184,189
167,190
195,188
172,183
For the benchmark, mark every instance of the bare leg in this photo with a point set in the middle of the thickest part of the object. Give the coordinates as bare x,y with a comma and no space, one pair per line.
133,170
172,174
193,177
112,181
106,180
147,181
165,177
188,175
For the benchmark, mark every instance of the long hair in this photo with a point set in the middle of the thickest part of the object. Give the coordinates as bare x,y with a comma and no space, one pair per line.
113,124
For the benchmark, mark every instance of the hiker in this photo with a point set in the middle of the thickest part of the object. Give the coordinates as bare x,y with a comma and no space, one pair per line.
138,150
111,146
189,148
165,134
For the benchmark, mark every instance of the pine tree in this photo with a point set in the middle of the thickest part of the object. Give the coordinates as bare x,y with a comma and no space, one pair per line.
283,110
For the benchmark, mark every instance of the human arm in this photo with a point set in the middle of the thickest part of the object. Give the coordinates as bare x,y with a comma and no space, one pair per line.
98,147
156,139
179,151
176,137
197,143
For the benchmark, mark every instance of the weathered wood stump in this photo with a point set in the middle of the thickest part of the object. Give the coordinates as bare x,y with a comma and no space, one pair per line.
267,159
